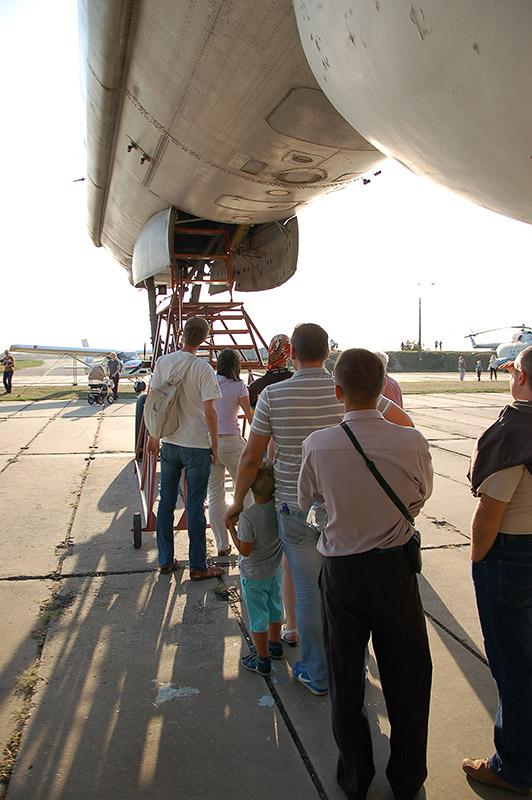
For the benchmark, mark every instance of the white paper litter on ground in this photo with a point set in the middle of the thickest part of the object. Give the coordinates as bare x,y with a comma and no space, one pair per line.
267,701
170,692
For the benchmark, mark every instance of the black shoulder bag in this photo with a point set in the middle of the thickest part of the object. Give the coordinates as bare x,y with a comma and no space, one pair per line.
413,546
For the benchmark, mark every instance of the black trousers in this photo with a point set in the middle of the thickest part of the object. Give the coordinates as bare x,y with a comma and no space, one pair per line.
375,593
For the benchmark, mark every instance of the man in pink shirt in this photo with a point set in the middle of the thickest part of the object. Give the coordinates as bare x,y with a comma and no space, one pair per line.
391,390
367,580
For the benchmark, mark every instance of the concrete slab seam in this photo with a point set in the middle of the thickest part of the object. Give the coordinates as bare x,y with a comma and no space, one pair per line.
446,449
28,444
67,543
53,603
443,523
449,478
457,639
455,546
322,794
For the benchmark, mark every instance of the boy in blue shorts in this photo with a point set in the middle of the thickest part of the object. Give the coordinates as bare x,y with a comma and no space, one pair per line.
260,550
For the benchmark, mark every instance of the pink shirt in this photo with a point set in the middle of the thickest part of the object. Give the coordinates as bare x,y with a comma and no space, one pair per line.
227,407
392,391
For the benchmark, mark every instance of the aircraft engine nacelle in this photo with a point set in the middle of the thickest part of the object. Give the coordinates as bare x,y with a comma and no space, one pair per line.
211,109
443,87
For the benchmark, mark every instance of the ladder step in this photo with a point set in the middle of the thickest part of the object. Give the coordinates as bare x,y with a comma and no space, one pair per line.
227,347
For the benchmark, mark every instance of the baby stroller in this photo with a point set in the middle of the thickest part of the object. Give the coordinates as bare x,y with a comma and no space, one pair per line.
99,387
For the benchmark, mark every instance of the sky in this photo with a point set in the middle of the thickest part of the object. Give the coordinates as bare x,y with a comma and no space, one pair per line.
367,253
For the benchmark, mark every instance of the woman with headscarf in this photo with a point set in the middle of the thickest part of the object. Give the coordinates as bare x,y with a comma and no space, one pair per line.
230,442
278,358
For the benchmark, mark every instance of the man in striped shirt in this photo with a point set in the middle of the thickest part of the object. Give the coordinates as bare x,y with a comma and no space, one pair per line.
288,412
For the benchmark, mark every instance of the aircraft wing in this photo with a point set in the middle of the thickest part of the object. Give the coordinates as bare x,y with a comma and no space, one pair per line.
70,351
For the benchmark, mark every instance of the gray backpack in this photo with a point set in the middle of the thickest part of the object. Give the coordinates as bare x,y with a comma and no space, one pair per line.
161,408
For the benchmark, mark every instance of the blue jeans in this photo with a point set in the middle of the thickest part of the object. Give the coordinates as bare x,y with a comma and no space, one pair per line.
503,586
196,461
299,545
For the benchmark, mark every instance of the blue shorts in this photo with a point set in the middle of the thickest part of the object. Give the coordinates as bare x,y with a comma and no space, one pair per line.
263,601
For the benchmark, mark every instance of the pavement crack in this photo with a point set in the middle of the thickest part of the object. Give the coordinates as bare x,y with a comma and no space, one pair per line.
450,478
28,444
443,523
68,542
457,639
455,546
233,597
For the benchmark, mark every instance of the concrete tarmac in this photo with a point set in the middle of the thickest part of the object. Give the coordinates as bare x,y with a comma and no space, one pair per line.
140,693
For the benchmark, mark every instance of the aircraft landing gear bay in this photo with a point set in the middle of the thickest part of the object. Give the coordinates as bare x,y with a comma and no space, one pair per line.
231,327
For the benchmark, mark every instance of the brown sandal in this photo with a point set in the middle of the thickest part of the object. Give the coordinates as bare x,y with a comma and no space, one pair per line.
204,574
166,569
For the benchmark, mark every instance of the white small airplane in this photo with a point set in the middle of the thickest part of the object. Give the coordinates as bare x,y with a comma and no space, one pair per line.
134,365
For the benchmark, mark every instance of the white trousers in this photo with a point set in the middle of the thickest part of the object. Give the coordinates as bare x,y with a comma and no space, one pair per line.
229,450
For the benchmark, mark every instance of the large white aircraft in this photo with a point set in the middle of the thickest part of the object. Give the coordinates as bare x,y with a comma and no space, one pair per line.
233,115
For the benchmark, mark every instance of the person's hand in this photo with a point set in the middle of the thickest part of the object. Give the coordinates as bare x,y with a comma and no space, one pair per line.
232,514
214,455
152,446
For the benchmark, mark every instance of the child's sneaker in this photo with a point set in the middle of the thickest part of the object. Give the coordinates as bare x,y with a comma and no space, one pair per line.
275,649
257,664
301,675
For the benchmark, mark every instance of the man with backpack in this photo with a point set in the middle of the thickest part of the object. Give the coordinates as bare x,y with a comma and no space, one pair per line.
192,446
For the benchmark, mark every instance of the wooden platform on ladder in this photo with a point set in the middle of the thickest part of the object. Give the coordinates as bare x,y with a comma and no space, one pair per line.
195,266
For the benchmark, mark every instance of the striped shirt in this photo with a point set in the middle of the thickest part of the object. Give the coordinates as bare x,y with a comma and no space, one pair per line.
289,412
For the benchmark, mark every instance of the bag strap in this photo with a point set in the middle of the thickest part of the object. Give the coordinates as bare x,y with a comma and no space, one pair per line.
181,375
377,475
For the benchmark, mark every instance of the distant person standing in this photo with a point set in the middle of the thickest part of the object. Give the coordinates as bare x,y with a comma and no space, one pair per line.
501,551
493,363
478,368
440,346
461,368
391,390
9,367
114,365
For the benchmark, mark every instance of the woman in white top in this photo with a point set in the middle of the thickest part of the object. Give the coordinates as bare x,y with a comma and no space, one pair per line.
235,397
493,363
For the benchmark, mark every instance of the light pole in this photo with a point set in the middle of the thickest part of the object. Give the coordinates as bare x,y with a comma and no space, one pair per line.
420,287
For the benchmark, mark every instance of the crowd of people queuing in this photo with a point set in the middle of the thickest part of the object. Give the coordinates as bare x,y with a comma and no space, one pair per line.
326,489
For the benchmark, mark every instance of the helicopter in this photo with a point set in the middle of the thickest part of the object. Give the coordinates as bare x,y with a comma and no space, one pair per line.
506,351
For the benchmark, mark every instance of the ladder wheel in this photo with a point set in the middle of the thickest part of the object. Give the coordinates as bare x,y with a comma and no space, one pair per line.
137,531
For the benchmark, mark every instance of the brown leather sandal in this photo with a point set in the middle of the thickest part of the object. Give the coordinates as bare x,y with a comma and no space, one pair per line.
166,569
205,574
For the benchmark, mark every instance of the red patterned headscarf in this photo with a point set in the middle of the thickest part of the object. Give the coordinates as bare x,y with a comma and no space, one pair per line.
279,352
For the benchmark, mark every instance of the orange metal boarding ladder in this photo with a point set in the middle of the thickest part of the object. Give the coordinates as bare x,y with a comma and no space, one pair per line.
231,327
